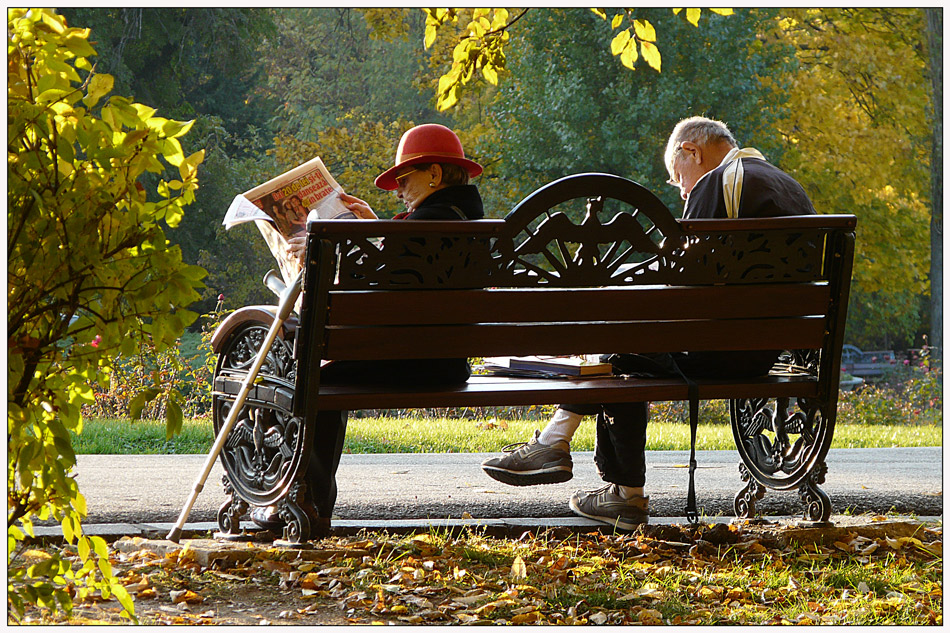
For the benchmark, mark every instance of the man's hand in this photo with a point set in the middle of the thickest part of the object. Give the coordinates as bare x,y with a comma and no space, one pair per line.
360,208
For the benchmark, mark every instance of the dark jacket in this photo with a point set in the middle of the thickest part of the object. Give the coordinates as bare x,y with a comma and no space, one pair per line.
459,202
766,192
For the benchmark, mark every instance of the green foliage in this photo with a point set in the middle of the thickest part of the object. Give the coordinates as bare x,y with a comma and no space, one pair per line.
117,436
186,62
178,379
323,64
201,63
567,107
481,36
90,275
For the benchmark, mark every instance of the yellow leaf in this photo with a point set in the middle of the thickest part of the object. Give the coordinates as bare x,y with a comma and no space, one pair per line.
651,54
723,11
600,13
617,21
620,41
491,75
186,595
99,85
430,35
525,618
499,19
645,30
447,100
518,569
692,16
629,55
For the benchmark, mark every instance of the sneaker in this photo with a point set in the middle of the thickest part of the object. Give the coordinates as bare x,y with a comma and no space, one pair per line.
267,518
608,506
530,463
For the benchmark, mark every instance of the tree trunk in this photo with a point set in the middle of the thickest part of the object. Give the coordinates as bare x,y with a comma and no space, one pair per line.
935,41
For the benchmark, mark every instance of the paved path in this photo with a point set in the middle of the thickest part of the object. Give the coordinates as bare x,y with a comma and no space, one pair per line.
154,488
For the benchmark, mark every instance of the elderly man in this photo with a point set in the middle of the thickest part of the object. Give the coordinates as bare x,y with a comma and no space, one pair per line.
717,179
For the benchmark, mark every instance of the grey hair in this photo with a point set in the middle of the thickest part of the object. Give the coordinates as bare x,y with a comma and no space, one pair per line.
699,130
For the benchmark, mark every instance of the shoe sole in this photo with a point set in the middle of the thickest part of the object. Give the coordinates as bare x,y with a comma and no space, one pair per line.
556,475
615,522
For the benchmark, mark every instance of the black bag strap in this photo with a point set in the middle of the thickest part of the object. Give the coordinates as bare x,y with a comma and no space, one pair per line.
660,365
692,514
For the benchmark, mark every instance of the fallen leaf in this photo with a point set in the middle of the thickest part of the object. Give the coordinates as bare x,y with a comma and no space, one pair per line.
186,596
527,618
650,617
518,569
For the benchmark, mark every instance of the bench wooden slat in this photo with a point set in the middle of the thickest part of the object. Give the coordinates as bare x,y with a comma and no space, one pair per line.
427,307
498,391
462,341
822,221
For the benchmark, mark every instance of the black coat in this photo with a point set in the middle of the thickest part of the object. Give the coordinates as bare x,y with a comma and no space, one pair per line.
458,202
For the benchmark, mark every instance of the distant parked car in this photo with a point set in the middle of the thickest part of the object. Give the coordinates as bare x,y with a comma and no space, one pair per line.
859,363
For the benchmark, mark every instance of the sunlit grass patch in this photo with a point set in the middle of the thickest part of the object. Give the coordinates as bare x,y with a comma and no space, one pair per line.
416,434
102,436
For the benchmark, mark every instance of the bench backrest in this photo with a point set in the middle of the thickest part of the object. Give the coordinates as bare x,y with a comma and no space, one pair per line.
552,279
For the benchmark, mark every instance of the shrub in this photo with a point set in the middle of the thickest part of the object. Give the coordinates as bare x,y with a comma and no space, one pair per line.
90,274
911,393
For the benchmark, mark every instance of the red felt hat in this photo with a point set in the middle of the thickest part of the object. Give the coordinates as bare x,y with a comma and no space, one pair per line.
429,143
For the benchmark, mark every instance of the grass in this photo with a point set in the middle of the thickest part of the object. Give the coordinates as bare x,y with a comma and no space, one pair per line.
452,435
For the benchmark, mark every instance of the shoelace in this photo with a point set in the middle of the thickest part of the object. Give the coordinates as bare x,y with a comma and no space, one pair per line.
606,489
511,448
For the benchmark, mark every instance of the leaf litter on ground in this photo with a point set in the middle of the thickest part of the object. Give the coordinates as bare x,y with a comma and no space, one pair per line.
663,574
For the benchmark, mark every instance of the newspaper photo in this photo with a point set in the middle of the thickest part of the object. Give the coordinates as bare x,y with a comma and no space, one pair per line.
281,207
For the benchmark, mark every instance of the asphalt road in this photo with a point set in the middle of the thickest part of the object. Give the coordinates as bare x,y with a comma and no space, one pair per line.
154,488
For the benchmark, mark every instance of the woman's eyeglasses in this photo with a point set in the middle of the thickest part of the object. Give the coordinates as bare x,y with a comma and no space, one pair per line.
404,175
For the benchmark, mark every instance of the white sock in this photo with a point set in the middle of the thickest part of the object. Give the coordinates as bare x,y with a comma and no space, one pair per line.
561,428
629,491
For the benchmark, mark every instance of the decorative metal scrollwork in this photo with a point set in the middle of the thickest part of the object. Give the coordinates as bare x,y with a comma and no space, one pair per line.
298,516
627,249
817,502
263,451
745,500
411,262
582,230
775,439
782,445
231,511
751,256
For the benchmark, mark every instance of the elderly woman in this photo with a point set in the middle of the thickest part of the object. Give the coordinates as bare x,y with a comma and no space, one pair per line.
431,177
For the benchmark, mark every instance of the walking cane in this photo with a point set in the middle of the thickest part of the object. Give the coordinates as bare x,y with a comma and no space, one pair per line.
287,299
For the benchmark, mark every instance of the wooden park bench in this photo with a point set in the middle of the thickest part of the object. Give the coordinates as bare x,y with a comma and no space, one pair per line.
590,263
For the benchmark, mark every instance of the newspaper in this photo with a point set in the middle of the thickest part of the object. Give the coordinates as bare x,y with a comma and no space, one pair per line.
282,206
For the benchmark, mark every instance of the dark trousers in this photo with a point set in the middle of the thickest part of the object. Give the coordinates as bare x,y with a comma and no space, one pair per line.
330,427
620,443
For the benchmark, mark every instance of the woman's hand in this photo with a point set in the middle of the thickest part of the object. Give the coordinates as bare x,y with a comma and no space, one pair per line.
297,246
358,207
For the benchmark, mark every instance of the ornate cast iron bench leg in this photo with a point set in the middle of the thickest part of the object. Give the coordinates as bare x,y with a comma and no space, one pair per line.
265,455
783,447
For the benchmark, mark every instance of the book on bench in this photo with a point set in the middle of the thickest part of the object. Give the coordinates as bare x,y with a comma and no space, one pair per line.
548,366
